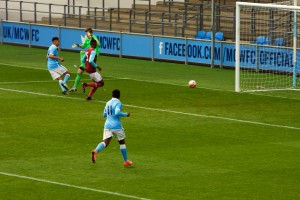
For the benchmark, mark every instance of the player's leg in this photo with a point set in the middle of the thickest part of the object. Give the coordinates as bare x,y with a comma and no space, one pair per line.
56,75
98,82
79,72
107,135
120,134
77,79
67,77
63,71
94,86
60,83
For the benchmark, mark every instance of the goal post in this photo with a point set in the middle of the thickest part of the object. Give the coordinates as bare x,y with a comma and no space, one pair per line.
266,46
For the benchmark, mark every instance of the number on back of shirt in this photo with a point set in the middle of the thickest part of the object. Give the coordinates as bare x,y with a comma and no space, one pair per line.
109,110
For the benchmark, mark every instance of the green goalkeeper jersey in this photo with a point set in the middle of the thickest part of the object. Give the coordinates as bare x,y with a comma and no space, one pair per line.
87,45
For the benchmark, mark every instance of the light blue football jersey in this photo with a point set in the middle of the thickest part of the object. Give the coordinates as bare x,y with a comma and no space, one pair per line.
113,113
53,63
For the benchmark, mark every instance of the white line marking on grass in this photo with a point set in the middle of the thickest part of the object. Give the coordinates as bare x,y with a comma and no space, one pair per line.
23,66
72,186
21,82
147,81
24,82
161,110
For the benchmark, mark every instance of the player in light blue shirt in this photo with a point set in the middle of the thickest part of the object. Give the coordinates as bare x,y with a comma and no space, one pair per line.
55,68
113,127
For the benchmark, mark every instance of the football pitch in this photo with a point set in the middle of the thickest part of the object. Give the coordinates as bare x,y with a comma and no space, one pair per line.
203,143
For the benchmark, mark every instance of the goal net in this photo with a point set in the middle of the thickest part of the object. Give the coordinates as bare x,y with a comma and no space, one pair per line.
267,46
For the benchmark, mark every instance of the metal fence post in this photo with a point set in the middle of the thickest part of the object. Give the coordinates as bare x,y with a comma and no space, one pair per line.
162,23
169,11
95,17
133,9
118,10
65,15
183,26
88,5
50,14
149,10
103,8
185,13
110,18
197,19
201,16
79,16
73,7
35,12
6,10
218,18
130,14
21,11
69,8
146,22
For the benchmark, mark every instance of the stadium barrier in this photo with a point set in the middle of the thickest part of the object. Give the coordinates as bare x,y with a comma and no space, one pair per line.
150,46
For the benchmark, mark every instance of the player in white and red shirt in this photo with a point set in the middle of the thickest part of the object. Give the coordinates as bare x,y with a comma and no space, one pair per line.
90,59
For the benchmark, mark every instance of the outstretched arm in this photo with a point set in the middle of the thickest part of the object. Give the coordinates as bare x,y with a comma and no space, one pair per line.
92,58
118,111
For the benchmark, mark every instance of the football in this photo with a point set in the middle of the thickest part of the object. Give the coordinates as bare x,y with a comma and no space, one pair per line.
192,84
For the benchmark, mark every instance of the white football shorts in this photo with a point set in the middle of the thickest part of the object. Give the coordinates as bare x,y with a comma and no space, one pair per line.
96,77
120,134
57,72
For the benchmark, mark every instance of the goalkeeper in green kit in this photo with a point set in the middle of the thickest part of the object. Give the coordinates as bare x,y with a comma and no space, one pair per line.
86,45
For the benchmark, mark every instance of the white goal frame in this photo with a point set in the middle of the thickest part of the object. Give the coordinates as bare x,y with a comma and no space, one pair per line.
294,8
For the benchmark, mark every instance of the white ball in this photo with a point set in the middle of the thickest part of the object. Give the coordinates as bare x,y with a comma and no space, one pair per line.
192,83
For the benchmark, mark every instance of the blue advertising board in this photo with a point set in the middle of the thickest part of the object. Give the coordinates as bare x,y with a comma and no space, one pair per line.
137,45
228,54
15,32
68,37
199,51
42,35
110,42
156,47
169,48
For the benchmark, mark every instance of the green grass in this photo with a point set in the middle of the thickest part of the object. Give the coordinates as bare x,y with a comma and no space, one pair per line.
202,143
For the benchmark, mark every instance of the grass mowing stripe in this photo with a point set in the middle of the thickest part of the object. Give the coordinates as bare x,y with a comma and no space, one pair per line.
72,186
215,89
162,110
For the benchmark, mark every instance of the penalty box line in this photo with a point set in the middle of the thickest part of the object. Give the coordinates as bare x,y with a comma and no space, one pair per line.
161,110
72,186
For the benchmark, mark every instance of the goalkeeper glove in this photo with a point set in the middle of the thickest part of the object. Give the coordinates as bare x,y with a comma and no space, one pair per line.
75,45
